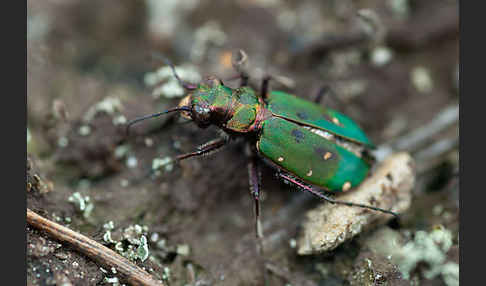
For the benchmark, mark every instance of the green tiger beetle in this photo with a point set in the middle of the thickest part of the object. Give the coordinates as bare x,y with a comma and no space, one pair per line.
315,148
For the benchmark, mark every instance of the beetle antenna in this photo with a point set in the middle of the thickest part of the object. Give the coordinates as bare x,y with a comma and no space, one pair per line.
186,85
138,119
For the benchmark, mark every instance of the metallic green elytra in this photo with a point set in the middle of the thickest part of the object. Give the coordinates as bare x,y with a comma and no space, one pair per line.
318,145
309,156
320,157
313,115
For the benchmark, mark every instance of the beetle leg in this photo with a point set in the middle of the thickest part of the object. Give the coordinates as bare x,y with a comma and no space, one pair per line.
321,93
324,92
204,148
241,76
254,178
244,79
331,200
264,87
255,182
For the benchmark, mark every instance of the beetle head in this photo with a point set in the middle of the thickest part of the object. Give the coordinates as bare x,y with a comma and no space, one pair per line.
208,103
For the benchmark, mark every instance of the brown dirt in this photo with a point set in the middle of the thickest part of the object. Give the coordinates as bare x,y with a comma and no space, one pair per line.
81,52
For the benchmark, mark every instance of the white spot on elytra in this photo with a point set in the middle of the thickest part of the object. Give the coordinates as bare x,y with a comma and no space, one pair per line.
346,186
327,156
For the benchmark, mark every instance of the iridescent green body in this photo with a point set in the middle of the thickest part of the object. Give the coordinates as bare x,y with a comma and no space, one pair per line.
318,145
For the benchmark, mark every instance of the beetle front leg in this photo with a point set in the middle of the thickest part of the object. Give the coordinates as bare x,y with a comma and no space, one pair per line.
204,149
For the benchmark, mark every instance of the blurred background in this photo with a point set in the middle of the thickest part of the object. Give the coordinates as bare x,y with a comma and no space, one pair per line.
393,66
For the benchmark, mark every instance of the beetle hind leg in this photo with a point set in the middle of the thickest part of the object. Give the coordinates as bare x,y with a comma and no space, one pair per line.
320,195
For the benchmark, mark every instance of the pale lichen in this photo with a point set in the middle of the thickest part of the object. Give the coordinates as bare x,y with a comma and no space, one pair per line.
400,8
170,87
166,163
164,17
108,105
430,248
83,203
133,242
208,34
183,249
84,130
131,162
121,151
119,120
63,142
142,250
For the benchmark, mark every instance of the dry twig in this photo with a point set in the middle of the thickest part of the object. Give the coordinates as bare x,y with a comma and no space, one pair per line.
105,256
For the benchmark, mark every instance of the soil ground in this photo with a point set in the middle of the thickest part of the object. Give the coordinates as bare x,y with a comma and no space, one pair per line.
85,76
